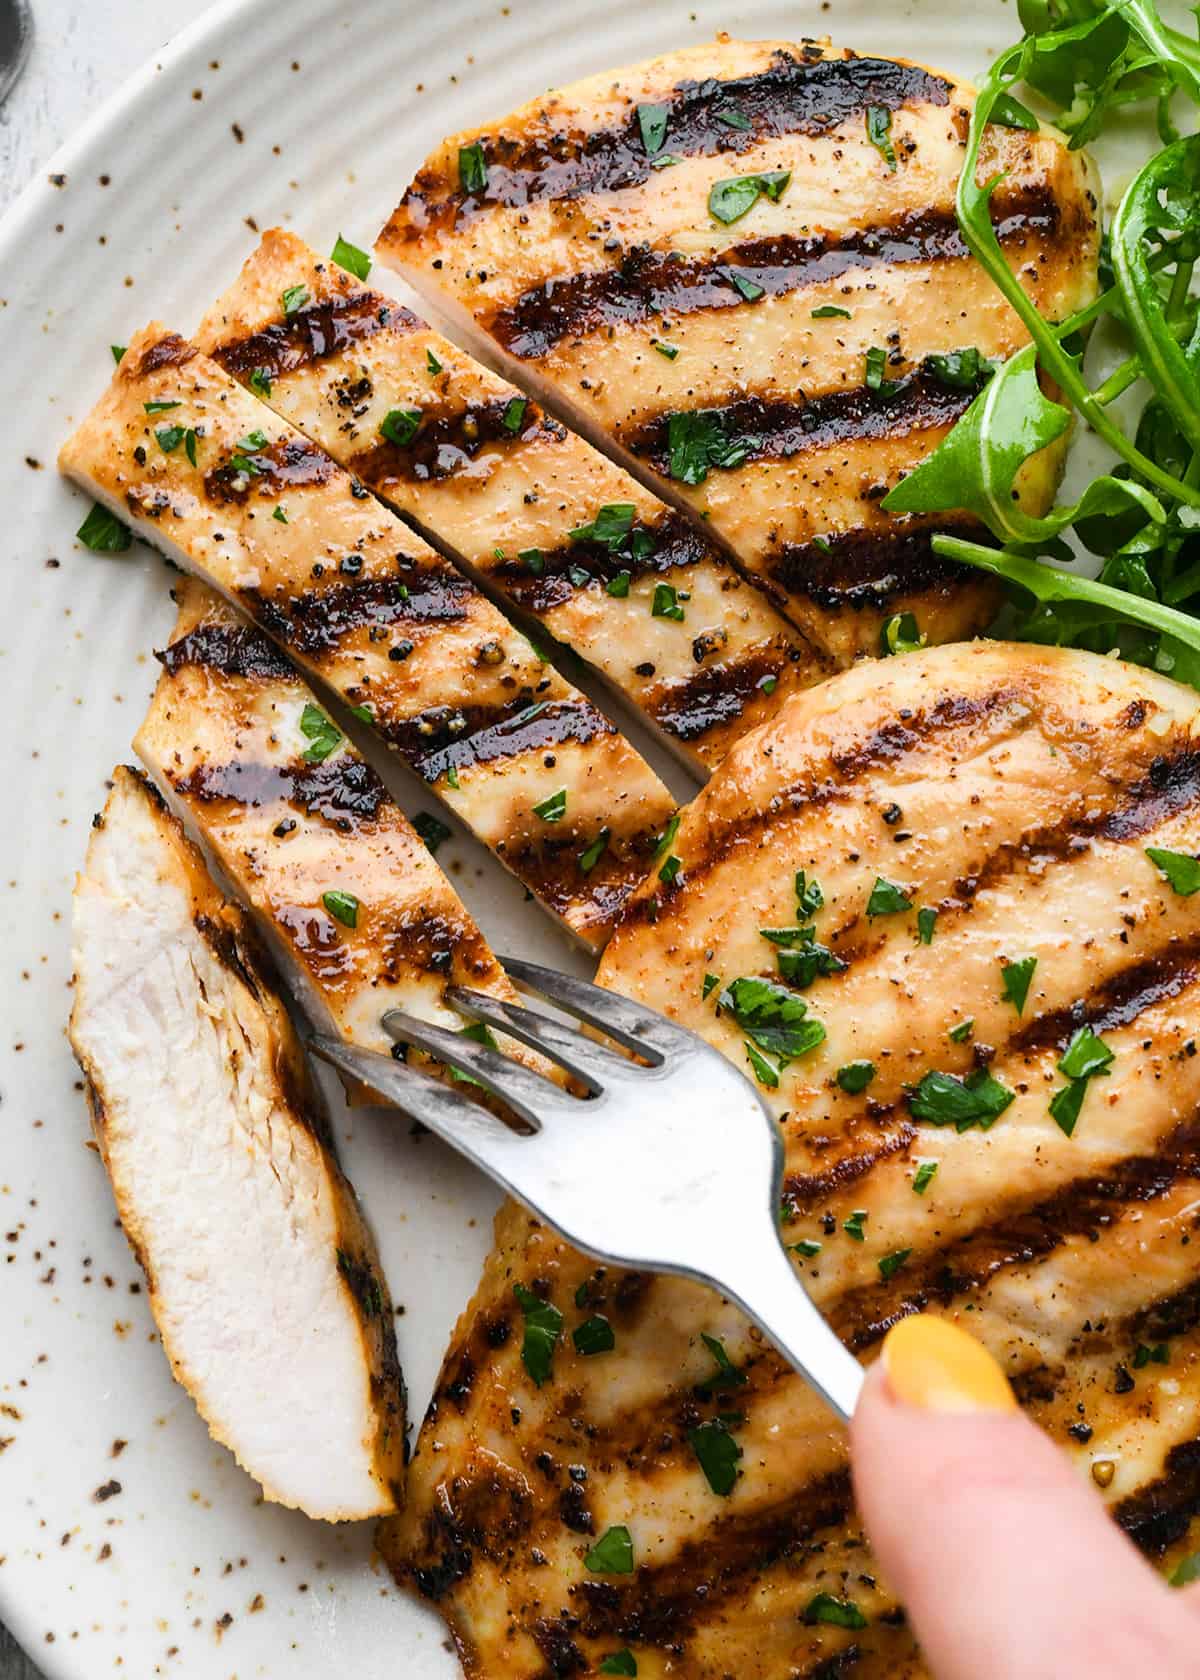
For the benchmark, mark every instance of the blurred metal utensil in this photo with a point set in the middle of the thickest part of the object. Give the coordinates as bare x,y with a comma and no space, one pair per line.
16,37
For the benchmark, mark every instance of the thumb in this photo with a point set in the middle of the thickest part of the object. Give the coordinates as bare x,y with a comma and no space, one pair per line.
1003,1557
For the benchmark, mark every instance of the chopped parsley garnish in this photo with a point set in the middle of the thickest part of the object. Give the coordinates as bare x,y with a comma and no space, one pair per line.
472,168
890,1264
749,290
670,870
591,855
773,1017
401,425
718,1454
350,258
652,121
513,417
1180,870
103,532
830,311
962,1030
1186,1571
697,440
552,808
543,1326
960,370
709,985
666,603
670,351
1158,1354
926,922
768,684
879,133
118,351
594,1335
1015,978
803,958
873,371
432,363
763,1071
618,586
837,1612
855,1077
855,1226
533,560
431,829
452,778
1066,1103
321,733
364,714
923,1176
342,906
807,1247
901,634
169,438
280,515
252,442
727,1374
160,407
621,1662
189,445
612,1554
612,525
809,896
730,199
1085,1056
260,381
733,118
946,1100
887,899
665,160
294,299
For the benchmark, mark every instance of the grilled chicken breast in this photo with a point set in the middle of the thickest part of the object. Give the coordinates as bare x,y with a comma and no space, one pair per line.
212,477
345,892
779,218
527,506
959,864
263,1276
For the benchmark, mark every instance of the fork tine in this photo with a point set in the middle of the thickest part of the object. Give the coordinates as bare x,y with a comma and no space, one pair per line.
527,1093
637,1027
589,1062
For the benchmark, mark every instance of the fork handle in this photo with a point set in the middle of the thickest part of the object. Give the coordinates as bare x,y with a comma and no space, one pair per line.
776,1300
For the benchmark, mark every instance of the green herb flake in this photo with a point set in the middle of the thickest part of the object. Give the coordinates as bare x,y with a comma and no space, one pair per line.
901,634
189,444
666,603
836,1612
959,370
923,1176
543,1326
670,351
294,299
612,525
169,438
160,407
452,778
1015,978
1145,1354
717,1453
533,560
1180,870
855,1226
749,290
401,425
807,1247
697,441
432,363
830,312
809,897
962,1030
118,351
669,873
1085,1056
280,515
594,1335
350,258
773,1017
855,1077
730,199
887,899
612,1554
553,808
652,122
890,1264
1066,1103
665,160
708,986
472,168
733,118
591,855
431,829
926,923
1186,1571
764,1072
875,366
260,381
103,532
727,1374
946,1100
618,586
620,1662
321,733
513,417
879,133
342,906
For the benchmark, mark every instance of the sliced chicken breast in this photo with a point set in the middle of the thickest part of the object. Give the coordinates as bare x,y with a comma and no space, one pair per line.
528,507
345,891
263,1276
943,910
212,477
780,216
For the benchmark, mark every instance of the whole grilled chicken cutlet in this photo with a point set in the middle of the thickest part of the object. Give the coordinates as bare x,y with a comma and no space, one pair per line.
613,573
263,1276
212,477
732,265
941,909
345,891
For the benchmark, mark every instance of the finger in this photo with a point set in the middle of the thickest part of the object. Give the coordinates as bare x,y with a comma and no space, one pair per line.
1003,1557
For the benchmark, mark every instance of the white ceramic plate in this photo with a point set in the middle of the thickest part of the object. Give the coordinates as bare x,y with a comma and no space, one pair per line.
310,113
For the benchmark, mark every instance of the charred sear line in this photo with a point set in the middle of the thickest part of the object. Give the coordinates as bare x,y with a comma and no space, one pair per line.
869,569
717,696
806,1192
1118,1001
233,650
317,621
432,943
311,334
559,573
1024,1233
483,1515
455,737
776,429
170,351
290,463
450,442
343,790
806,95
648,283
1157,1516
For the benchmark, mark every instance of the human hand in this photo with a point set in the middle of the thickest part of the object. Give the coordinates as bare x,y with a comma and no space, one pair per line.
1004,1558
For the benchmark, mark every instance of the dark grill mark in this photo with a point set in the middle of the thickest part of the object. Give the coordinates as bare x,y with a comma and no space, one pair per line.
171,351
1119,1000
448,443
290,463
485,1515
717,696
430,943
317,622
778,429
805,1192
344,790
318,330
234,650
650,283
449,737
868,569
1157,1516
806,95
676,544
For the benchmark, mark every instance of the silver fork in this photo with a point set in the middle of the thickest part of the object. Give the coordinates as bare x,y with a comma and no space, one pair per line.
676,1166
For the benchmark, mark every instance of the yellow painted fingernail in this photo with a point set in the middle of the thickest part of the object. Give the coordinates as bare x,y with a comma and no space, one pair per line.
933,1364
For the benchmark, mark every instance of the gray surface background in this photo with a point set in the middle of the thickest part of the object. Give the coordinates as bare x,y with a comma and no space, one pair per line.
82,51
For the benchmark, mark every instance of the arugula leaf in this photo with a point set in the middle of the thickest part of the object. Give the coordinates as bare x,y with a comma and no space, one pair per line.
774,1018
350,258
543,1326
